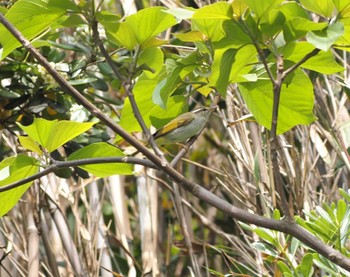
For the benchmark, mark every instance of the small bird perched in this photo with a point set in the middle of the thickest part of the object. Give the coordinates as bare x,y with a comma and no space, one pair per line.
183,127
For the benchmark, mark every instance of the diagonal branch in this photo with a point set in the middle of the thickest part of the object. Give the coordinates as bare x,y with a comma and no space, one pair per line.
299,63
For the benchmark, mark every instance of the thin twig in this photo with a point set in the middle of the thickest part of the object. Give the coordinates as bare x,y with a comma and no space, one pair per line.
299,63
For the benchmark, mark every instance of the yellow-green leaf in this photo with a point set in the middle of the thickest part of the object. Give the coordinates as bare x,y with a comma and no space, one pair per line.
102,150
53,134
30,144
14,169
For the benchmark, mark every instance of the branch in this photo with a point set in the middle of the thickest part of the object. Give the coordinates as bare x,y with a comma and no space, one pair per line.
258,49
299,63
263,59
285,226
281,74
277,177
64,164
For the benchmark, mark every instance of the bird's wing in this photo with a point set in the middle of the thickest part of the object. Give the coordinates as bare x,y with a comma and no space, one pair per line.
181,120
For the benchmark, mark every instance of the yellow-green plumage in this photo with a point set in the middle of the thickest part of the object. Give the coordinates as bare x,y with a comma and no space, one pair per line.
182,127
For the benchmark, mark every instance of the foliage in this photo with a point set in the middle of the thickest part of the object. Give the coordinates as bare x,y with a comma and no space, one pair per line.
252,55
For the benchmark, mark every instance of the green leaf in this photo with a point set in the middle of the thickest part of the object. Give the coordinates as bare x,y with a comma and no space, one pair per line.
326,265
343,6
284,269
344,41
102,150
191,36
345,194
325,38
296,103
17,168
272,22
323,62
124,36
293,10
234,37
166,87
240,68
181,13
322,7
53,134
306,265
265,248
73,20
239,8
148,23
152,58
266,235
30,144
209,19
276,214
341,210
31,18
143,91
221,69
261,8
139,28
216,11
107,18
297,27
64,4
230,65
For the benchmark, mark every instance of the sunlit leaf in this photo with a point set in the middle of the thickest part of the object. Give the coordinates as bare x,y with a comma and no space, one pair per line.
148,23
192,36
260,8
230,65
18,168
31,17
325,38
266,235
343,6
298,27
239,7
209,20
143,92
30,144
102,150
306,265
296,103
153,58
293,10
53,134
341,210
181,13
323,62
272,22
322,7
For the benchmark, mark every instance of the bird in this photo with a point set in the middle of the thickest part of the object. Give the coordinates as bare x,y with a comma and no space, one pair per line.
183,127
